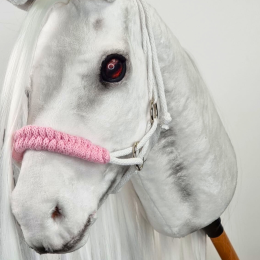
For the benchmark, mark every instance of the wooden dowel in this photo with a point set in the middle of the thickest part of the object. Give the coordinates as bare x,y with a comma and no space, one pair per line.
220,240
224,247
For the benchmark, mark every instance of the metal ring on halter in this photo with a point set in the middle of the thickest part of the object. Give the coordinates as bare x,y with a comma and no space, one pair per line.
153,111
137,166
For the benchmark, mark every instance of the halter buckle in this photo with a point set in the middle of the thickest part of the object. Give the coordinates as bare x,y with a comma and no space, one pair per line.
153,111
137,166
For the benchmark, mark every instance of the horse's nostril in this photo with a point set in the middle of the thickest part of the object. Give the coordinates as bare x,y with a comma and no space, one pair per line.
56,213
40,250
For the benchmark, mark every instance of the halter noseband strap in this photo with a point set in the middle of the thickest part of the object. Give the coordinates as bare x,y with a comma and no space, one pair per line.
47,139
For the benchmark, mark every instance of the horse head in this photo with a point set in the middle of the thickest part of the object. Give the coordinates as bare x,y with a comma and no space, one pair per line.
88,79
98,86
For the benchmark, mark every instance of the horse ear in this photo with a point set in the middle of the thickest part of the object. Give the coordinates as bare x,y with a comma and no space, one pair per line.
22,4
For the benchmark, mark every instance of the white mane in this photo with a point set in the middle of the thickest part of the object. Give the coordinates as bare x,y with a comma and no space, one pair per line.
121,232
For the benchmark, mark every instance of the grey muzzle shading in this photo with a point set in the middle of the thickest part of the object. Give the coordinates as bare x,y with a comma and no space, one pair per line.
22,4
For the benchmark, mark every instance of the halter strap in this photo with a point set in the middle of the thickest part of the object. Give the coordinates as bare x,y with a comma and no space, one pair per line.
149,47
47,139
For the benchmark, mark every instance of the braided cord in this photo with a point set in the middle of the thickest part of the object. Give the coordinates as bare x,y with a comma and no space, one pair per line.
45,138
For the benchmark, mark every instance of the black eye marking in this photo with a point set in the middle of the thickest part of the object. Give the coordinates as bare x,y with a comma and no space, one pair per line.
113,68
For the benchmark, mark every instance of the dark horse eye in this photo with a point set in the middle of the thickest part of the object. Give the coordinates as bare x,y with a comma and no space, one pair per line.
113,68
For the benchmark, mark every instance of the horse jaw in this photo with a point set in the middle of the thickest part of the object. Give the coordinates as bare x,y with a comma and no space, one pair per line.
56,196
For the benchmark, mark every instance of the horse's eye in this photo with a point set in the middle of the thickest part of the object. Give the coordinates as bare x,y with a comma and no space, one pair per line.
113,68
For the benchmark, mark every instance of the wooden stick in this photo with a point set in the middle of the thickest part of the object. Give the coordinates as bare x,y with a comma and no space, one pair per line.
220,240
224,247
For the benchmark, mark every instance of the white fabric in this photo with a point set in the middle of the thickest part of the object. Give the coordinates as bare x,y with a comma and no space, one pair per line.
194,177
190,174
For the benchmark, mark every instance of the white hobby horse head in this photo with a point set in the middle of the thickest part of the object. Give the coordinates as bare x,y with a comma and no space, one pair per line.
94,70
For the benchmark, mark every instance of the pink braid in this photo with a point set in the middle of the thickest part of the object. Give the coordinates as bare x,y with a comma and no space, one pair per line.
46,139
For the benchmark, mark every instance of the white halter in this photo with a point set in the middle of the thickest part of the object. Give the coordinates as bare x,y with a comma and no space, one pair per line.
141,149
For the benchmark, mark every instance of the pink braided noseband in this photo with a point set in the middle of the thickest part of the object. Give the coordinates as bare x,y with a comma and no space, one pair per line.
46,139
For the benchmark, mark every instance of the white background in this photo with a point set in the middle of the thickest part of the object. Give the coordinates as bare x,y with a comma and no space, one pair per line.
224,39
